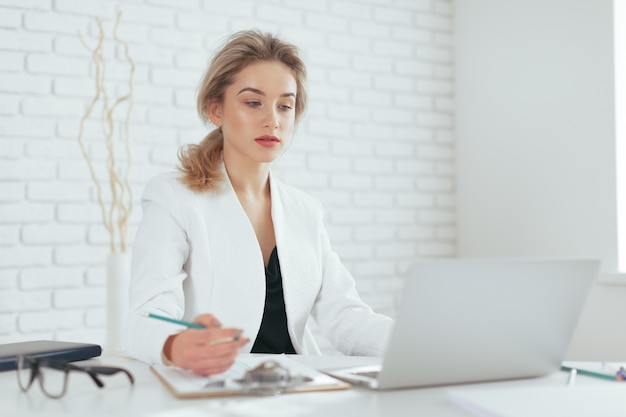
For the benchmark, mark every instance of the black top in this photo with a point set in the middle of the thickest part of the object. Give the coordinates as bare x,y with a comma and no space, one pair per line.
273,336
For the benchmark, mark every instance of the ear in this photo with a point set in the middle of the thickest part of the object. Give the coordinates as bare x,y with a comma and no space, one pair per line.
214,110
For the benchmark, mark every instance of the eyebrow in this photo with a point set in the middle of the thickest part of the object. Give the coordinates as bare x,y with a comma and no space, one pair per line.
261,93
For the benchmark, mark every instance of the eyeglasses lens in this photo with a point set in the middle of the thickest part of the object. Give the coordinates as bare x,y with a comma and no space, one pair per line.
24,372
53,374
52,381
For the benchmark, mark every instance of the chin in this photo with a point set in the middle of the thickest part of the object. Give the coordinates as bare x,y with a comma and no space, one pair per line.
268,157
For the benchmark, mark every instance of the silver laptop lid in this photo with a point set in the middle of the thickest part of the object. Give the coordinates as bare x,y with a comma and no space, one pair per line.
479,320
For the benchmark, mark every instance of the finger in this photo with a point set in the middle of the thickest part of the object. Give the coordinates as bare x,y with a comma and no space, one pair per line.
192,346
219,351
213,368
216,335
212,359
225,349
196,349
211,362
215,364
207,320
229,337
200,344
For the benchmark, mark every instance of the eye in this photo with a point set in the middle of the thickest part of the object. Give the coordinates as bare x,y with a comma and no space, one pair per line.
253,103
284,107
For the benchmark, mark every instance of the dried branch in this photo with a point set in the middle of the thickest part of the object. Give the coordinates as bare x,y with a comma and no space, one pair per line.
115,219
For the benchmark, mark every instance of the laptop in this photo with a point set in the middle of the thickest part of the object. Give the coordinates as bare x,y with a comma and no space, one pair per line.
475,320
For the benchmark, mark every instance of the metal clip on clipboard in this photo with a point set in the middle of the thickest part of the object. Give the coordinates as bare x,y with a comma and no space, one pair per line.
270,378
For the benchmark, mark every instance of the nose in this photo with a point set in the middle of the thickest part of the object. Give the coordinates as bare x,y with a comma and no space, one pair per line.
271,119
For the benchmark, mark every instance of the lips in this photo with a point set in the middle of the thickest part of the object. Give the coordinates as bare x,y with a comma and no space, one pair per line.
267,140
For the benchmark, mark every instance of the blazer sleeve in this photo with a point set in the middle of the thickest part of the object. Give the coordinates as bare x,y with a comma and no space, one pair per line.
349,323
160,251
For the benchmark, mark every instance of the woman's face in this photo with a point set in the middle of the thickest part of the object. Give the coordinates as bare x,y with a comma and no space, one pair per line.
257,114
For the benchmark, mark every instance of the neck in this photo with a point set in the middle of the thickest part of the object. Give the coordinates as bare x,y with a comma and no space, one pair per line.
247,177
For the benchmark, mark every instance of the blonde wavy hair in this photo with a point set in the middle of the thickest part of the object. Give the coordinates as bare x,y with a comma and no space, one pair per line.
200,163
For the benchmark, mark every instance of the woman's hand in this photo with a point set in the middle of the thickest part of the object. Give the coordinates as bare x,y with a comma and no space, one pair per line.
204,351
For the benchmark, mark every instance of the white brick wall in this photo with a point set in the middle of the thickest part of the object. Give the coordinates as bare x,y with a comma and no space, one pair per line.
376,145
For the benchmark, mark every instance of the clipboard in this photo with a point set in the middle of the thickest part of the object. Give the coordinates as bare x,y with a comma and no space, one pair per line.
183,383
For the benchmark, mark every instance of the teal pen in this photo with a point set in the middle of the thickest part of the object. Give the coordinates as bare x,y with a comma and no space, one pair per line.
192,326
588,373
182,323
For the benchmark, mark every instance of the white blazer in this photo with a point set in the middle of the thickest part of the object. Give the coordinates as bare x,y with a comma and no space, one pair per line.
197,253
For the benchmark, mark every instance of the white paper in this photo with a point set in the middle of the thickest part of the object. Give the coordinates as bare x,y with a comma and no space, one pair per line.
185,382
578,401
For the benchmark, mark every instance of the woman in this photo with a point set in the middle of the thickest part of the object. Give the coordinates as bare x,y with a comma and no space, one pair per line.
225,237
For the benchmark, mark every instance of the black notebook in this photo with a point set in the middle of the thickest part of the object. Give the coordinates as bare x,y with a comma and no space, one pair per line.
52,349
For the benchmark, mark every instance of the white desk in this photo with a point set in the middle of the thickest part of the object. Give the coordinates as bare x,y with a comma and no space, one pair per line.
149,397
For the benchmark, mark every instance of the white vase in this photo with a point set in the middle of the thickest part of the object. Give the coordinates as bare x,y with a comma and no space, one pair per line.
118,278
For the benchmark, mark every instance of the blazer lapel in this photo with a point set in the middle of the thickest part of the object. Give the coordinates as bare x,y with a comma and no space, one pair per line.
238,296
297,255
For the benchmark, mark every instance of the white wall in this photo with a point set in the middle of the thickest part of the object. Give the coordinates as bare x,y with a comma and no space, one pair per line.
536,144
375,146
536,159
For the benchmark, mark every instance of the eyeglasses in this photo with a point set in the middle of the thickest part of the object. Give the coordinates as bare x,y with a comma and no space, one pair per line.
53,374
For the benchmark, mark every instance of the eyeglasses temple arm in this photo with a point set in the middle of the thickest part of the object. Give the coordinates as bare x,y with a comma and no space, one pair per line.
108,370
